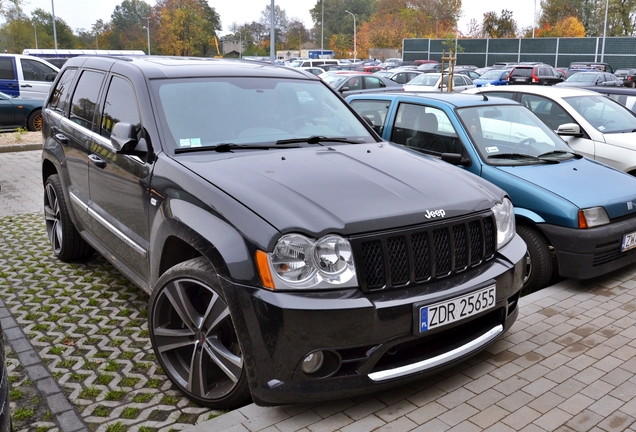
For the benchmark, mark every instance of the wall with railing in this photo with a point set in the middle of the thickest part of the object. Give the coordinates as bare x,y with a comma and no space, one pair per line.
620,52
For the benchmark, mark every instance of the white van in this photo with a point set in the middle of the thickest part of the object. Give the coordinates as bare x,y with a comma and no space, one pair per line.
26,76
313,62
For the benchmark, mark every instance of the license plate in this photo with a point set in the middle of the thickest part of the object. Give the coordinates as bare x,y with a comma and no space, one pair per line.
520,79
456,309
629,242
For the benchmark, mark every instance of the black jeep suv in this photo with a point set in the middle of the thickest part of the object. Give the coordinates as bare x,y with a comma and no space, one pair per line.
290,254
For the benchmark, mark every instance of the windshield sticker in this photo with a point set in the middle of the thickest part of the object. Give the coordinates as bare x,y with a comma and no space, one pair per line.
190,142
492,149
601,128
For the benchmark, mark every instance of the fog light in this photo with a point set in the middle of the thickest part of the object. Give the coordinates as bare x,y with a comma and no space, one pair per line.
313,362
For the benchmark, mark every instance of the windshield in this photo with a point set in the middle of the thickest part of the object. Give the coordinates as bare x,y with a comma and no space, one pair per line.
429,80
334,80
512,135
605,114
251,111
583,77
491,75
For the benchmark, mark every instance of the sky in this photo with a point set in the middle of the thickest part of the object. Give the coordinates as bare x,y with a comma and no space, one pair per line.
83,13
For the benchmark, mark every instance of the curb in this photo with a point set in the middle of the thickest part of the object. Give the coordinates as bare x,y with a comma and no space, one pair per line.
59,405
20,147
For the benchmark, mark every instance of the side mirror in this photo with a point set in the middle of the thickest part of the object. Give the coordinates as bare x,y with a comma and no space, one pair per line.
455,159
124,136
569,129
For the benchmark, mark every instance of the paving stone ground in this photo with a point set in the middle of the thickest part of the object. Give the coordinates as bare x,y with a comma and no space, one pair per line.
568,363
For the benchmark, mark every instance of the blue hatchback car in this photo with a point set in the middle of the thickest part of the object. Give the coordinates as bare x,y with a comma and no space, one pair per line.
577,216
494,77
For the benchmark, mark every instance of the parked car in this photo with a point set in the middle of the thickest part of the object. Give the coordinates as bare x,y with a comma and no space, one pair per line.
430,67
586,79
313,70
626,96
432,82
20,113
575,215
494,77
600,66
400,76
354,83
593,125
369,68
277,235
26,76
628,76
469,73
534,74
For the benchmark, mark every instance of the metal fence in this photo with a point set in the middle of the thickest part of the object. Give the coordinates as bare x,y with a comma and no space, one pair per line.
620,52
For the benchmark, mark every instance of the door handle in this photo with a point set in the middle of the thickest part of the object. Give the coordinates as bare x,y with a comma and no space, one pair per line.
61,138
26,85
97,161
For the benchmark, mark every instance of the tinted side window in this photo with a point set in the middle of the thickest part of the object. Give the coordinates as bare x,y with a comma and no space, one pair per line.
7,68
60,95
120,105
85,98
373,82
33,70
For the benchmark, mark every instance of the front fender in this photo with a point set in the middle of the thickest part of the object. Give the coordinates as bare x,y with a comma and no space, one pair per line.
204,231
529,215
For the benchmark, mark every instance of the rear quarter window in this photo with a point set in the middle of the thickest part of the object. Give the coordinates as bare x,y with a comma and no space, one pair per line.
60,94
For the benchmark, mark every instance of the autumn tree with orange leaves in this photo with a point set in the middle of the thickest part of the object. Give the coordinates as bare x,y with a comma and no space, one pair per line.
186,27
566,27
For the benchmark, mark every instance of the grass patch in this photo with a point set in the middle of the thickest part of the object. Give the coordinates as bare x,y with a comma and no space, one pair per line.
170,400
90,392
130,413
22,413
104,379
115,395
101,411
143,397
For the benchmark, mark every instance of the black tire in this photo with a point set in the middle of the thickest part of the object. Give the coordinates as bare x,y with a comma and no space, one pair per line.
186,300
67,243
539,262
34,123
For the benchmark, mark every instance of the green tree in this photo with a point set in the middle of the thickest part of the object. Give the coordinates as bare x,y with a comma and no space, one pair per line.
334,22
44,20
495,26
182,27
128,22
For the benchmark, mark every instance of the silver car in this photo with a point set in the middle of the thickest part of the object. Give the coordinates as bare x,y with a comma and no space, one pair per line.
594,125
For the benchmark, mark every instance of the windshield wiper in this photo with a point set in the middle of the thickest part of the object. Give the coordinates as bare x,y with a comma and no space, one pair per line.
315,139
521,156
227,147
559,152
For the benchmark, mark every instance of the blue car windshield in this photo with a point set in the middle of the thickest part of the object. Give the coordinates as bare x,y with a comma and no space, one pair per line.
511,135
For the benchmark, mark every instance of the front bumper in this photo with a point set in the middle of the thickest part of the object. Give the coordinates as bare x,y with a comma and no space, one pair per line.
587,253
371,341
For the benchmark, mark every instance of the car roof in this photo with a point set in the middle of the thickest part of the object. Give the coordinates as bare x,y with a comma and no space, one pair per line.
612,90
175,67
535,89
457,100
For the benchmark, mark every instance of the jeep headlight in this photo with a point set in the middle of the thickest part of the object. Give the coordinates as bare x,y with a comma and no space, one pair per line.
298,262
505,217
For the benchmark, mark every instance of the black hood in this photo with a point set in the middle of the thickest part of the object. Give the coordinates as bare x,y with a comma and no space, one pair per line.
345,189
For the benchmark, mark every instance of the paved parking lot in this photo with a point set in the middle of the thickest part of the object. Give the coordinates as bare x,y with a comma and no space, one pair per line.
568,364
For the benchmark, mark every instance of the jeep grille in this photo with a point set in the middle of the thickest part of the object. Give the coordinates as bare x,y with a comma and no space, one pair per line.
424,253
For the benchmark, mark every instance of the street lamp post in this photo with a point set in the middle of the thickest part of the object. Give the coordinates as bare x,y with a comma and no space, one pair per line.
534,17
35,29
54,31
148,32
355,48
604,31
322,31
